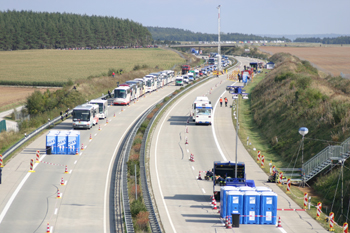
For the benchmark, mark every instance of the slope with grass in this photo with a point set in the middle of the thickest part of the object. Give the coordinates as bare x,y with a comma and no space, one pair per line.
291,96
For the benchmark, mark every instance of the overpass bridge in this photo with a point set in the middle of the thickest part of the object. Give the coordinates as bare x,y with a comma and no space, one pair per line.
222,45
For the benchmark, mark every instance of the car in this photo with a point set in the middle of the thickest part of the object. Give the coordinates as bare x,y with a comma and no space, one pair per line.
185,78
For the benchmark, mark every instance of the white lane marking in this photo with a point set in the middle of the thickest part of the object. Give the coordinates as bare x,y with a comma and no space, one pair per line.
65,183
188,151
109,170
51,229
75,162
70,172
80,153
56,210
192,168
203,190
14,194
95,134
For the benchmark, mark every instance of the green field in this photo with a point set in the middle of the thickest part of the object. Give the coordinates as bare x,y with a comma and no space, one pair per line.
63,65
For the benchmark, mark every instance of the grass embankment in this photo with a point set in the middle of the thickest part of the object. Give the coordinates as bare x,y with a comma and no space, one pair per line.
59,66
291,96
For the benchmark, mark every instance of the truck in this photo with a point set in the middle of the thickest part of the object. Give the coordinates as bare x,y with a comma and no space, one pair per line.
224,175
186,69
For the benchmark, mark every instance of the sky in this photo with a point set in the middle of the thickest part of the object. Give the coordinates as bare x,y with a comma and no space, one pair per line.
276,17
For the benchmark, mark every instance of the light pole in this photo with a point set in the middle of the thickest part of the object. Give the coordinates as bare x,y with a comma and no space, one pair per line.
219,48
303,131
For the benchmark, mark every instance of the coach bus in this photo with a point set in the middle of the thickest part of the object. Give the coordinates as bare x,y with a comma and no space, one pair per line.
102,108
122,95
83,116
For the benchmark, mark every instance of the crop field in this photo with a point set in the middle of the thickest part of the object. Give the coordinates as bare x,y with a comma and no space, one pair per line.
63,65
330,59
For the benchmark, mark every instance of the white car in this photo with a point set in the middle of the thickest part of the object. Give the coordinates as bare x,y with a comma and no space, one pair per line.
185,78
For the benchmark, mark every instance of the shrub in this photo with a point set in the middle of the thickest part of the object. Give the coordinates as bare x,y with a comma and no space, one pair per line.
304,82
136,207
134,157
142,220
133,190
137,147
283,76
111,70
136,67
137,141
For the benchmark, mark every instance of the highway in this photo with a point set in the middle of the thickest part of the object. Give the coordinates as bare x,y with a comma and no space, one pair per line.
28,201
183,201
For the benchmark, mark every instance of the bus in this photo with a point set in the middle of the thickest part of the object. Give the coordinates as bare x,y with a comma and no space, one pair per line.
103,108
151,83
199,101
122,95
179,81
142,85
83,116
137,87
203,114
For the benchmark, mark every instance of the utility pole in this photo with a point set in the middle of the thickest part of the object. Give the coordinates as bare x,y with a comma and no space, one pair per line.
219,48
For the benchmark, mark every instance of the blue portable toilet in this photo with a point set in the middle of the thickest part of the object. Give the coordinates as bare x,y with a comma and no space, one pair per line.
223,200
73,142
235,204
268,208
51,142
246,189
251,208
262,189
62,142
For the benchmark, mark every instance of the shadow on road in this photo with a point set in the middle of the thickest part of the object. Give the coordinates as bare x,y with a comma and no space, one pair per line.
198,198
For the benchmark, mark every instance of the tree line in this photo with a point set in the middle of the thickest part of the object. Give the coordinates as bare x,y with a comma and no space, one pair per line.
39,30
175,34
326,40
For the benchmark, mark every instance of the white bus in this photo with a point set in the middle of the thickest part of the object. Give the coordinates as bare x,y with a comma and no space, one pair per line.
151,83
103,107
203,113
179,81
199,101
122,95
83,116
141,82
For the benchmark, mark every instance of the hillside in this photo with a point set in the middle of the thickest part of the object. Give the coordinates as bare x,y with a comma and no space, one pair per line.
176,34
36,30
293,95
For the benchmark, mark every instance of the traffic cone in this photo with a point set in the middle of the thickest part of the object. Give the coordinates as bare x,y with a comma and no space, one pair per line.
114,115
90,137
212,200
82,147
48,228
188,121
199,176
66,170
186,142
58,193
62,181
228,223
106,120
192,158
279,222
122,109
215,207
76,152
99,127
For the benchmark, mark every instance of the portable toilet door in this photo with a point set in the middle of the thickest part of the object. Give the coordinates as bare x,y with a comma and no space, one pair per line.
235,204
251,208
51,142
223,201
73,142
262,189
268,208
62,143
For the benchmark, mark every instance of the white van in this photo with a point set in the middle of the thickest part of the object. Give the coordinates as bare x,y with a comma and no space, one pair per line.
179,81
103,107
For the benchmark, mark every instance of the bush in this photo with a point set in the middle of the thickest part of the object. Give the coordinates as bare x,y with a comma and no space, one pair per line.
283,76
142,220
137,141
136,207
133,190
137,147
304,82
136,67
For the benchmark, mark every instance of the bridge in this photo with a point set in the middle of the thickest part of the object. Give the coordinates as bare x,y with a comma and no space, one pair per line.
203,45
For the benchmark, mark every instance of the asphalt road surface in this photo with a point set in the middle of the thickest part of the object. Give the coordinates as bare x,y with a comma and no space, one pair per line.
183,201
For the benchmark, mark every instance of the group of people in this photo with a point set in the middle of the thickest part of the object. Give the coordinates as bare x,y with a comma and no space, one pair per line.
226,100
218,179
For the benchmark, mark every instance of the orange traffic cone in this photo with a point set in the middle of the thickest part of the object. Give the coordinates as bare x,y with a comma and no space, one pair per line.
90,137
66,170
199,176
215,207
82,147
76,152
212,200
106,120
58,193
114,115
122,109
99,127
48,228
192,158
279,222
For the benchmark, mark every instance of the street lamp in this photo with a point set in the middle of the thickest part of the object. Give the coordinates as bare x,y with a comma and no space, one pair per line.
303,131
219,48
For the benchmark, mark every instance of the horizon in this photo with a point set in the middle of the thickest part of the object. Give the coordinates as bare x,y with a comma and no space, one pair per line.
271,17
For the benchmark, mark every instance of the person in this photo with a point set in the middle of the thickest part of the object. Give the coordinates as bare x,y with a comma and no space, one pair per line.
219,179
220,101
61,115
67,113
239,78
226,100
113,74
109,94
209,175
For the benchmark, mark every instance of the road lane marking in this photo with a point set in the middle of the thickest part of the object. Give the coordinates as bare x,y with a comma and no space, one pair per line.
14,194
56,210
95,134
75,161
65,183
203,190
188,151
192,168
70,172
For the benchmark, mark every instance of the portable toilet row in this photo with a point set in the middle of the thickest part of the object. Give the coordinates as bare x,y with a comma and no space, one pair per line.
255,206
63,142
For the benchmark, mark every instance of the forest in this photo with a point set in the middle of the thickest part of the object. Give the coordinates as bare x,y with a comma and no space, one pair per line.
175,34
38,30
326,40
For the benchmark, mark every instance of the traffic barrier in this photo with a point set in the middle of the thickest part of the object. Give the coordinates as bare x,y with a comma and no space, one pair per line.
48,228
58,194
31,166
319,209
305,200
192,158
82,147
345,227
288,186
291,209
228,223
62,181
1,162
258,158
66,170
90,137
280,177
37,156
199,176
262,161
279,222
331,221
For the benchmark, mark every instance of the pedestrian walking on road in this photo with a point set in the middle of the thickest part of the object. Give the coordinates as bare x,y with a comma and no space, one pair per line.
220,101
226,100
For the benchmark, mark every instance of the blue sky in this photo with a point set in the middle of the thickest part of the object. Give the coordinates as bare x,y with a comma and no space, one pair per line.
248,16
